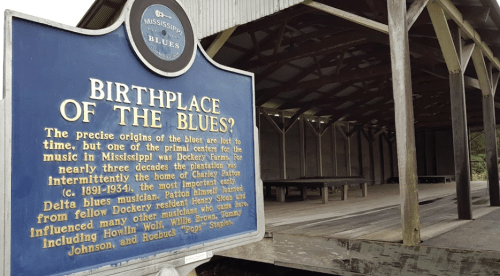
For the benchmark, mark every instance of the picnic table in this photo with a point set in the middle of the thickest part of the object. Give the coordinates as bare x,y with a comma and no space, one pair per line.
317,182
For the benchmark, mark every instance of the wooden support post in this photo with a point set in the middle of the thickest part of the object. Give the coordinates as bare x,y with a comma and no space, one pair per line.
324,194
429,153
302,141
319,148
282,190
451,46
364,189
434,155
303,193
280,194
460,145
424,152
259,122
405,132
391,154
343,195
348,153
488,85
360,153
382,161
490,139
470,156
334,153
372,157
282,149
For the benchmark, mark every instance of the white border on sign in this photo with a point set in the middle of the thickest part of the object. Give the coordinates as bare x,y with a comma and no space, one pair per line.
137,266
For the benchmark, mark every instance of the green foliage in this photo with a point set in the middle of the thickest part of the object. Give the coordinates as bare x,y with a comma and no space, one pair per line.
478,158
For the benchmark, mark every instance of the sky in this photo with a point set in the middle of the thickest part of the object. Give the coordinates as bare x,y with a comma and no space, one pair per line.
68,12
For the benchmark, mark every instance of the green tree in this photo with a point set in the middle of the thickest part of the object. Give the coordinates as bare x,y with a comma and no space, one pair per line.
477,152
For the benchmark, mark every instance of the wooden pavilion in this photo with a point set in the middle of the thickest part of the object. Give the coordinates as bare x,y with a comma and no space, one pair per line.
384,89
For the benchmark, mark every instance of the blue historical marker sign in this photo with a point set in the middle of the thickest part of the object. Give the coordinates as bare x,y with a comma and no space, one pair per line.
126,145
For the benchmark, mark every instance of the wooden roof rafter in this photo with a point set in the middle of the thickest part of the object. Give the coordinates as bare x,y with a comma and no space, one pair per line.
315,86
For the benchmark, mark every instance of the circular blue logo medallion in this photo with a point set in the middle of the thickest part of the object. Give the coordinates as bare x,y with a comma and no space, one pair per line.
163,32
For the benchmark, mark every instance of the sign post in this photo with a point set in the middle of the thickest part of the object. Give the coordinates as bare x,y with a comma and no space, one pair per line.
123,150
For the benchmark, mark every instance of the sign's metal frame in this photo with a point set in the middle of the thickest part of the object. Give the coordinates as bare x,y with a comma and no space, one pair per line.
131,266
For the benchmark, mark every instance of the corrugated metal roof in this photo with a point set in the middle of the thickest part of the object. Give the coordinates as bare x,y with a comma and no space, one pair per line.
208,16
212,16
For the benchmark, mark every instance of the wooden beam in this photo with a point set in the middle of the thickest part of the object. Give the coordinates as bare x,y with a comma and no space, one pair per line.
301,38
482,72
420,51
466,55
326,61
266,41
256,45
405,132
297,103
339,64
320,72
467,29
379,9
221,38
336,44
494,83
280,37
489,36
327,125
273,123
470,82
267,72
341,131
290,124
349,16
364,73
414,11
475,14
383,130
444,37
352,131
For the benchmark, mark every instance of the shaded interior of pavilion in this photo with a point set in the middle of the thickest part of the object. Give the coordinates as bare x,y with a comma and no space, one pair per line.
324,89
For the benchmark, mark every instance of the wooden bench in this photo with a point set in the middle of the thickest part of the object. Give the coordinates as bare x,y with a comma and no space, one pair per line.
318,182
